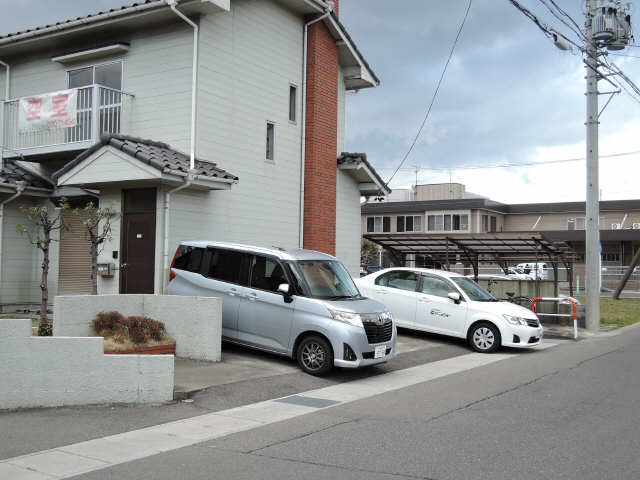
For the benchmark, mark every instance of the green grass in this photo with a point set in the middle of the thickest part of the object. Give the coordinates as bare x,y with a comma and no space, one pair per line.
618,313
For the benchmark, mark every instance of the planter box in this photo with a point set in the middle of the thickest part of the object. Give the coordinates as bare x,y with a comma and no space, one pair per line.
155,350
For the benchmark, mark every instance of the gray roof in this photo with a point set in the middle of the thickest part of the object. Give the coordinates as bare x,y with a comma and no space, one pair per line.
12,173
346,158
155,154
486,204
63,23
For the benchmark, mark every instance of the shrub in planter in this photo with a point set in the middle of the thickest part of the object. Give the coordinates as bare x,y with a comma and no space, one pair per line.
108,323
119,328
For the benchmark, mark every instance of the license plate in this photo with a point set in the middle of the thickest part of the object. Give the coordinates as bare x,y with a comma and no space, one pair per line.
380,351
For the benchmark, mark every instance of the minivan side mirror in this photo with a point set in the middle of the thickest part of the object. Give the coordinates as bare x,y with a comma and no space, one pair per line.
455,296
285,290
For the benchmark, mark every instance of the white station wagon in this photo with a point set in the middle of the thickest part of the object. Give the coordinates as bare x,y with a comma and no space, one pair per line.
451,304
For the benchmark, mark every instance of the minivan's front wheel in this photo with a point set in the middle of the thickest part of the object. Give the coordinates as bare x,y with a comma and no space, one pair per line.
315,355
484,337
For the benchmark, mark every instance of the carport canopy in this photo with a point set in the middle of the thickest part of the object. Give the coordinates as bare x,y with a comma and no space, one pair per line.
498,247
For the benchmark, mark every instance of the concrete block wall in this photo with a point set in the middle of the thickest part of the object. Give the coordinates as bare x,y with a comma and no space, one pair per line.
194,322
56,371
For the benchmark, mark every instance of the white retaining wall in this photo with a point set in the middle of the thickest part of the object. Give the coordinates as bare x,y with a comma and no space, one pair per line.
194,322
56,371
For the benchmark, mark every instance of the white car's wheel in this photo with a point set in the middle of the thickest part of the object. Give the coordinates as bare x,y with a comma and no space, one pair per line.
484,337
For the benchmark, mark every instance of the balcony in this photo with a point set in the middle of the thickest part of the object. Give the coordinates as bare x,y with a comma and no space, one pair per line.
99,109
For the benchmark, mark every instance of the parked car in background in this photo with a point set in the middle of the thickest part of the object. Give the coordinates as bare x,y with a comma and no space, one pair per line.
298,303
540,270
368,269
451,304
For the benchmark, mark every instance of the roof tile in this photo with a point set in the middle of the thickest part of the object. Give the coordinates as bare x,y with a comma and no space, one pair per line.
155,154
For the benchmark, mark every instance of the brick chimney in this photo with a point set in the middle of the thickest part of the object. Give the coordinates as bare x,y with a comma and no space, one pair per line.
337,3
321,140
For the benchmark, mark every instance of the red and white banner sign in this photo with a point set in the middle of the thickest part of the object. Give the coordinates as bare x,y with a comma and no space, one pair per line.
48,112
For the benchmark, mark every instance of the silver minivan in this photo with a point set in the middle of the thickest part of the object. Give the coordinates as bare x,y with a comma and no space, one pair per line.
299,303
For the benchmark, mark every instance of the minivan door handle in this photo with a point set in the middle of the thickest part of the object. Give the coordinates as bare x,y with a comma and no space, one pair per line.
232,292
379,290
252,296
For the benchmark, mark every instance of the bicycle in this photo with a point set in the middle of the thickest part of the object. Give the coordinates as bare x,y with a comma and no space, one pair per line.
521,300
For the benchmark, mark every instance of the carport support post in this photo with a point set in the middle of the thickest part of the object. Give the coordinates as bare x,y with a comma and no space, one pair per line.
448,265
475,263
627,275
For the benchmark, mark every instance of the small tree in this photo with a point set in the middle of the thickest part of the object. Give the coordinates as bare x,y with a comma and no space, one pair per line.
368,252
44,222
98,230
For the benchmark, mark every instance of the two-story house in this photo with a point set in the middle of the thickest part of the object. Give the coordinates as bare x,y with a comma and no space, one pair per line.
197,119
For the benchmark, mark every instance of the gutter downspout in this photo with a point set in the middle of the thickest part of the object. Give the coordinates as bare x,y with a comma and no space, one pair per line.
20,186
165,251
6,98
194,80
303,133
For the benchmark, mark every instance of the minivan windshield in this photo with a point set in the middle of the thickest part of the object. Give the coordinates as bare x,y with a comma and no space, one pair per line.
326,279
474,291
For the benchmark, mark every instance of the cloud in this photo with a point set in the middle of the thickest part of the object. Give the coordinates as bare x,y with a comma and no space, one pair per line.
509,95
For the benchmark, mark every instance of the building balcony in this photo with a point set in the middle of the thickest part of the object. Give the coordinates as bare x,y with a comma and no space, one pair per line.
99,109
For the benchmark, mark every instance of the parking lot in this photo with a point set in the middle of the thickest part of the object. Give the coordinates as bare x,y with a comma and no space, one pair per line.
248,376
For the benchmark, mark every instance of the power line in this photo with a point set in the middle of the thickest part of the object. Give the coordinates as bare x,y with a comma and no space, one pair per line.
574,28
512,165
435,94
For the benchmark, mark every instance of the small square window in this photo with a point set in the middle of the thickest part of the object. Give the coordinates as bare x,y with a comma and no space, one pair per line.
271,141
292,103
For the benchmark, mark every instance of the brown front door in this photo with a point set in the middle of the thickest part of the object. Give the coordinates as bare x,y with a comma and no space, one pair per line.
138,241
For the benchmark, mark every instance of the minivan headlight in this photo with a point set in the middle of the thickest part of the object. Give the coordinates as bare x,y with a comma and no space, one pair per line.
346,317
515,320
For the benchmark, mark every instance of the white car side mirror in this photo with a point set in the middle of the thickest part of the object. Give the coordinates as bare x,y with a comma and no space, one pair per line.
455,296
283,288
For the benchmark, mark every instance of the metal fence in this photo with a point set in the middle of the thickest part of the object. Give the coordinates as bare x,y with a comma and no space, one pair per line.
99,109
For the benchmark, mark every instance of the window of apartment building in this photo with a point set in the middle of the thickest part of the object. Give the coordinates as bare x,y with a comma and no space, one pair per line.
494,224
409,223
292,103
578,223
610,257
378,224
485,223
106,74
447,223
271,141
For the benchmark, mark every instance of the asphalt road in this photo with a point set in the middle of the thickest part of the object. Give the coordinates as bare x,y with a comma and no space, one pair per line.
563,413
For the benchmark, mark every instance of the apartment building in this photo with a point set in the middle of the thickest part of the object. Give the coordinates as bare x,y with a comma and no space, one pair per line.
263,165
447,209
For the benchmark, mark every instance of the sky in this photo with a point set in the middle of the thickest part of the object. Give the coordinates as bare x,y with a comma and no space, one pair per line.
508,96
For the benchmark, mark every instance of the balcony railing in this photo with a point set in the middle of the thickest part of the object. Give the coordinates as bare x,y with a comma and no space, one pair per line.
99,109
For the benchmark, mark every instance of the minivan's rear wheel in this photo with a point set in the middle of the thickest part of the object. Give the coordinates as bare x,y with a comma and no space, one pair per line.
315,355
484,337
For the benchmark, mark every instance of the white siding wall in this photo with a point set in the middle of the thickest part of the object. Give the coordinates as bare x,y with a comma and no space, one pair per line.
348,229
157,70
20,272
248,59
341,112
111,197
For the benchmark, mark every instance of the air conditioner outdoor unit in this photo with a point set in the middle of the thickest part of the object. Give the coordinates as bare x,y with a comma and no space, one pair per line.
636,226
616,226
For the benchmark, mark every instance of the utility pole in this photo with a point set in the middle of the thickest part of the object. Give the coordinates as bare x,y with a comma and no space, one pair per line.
592,233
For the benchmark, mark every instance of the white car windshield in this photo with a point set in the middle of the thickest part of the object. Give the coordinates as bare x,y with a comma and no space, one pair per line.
474,291
327,279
